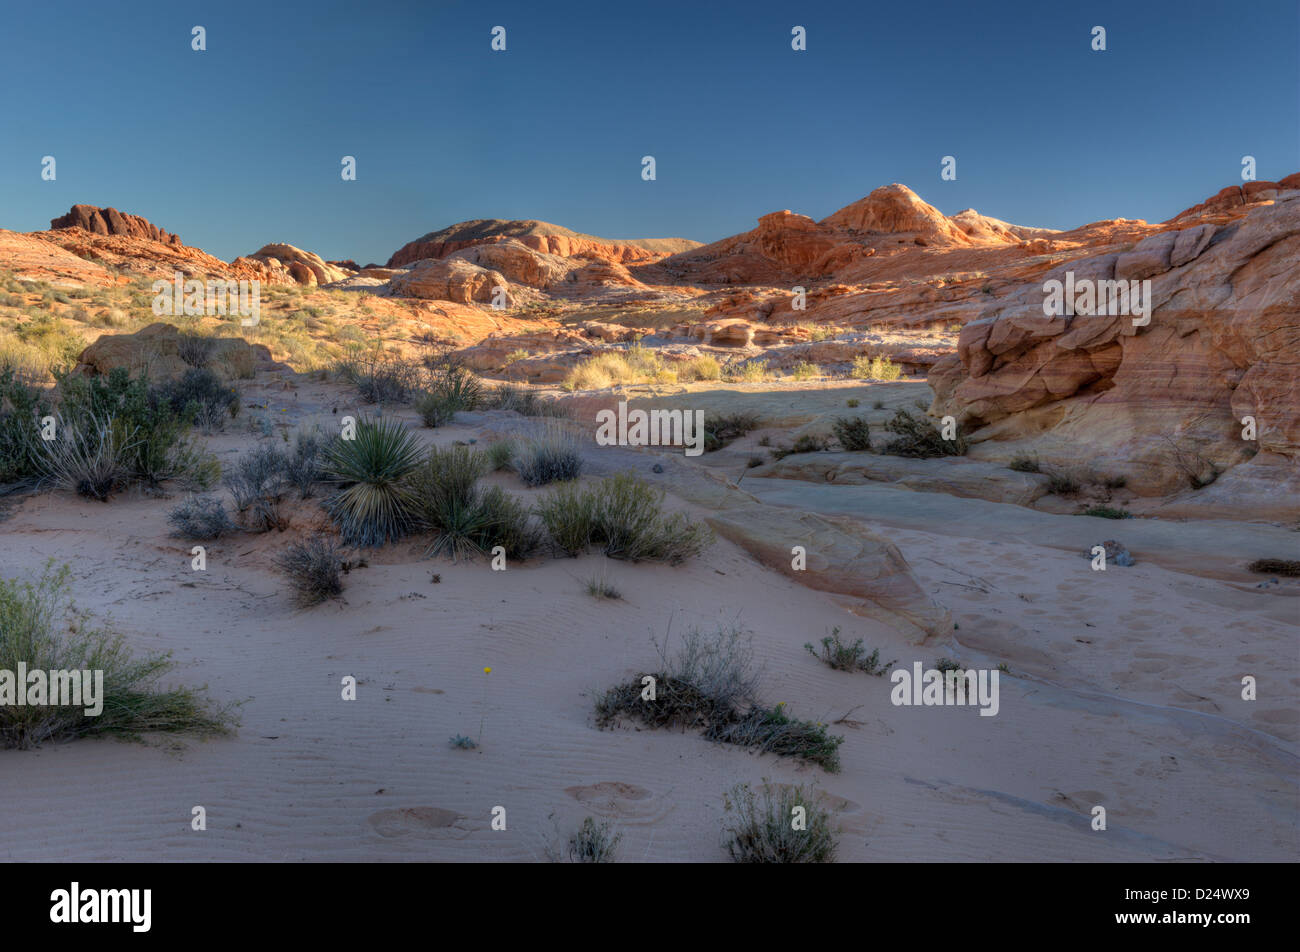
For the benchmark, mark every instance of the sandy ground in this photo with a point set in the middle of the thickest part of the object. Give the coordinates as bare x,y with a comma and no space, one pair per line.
1123,691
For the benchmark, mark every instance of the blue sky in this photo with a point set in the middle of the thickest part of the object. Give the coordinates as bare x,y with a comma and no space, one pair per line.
241,145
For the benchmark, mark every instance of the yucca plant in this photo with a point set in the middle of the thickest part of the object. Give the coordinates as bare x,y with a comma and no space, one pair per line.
374,504
91,456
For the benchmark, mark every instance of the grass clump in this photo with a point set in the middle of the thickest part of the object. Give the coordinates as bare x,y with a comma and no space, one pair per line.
1288,567
314,568
200,518
374,503
500,455
875,368
599,586
40,627
919,439
468,520
549,458
258,483
805,370
593,843
1025,463
749,371
380,377
92,456
765,830
435,409
524,402
853,433
461,742
622,515
1107,512
846,657
710,685
722,429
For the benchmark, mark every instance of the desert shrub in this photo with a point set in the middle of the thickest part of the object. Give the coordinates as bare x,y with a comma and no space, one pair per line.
314,569
1106,512
91,456
461,742
549,458
852,403
499,455
159,447
763,831
705,367
807,443
919,439
1025,463
22,406
374,504
568,513
599,586
40,627
380,377
754,461
435,409
804,370
853,433
469,520
1287,567
846,657
622,515
199,518
875,368
722,429
200,396
304,464
1064,482
524,402
457,384
593,843
258,483
711,685
196,349
748,371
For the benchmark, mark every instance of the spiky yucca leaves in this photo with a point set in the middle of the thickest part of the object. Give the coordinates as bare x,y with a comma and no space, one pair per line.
91,456
374,504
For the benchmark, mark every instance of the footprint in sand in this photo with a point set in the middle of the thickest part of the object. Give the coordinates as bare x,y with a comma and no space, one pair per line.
406,820
623,801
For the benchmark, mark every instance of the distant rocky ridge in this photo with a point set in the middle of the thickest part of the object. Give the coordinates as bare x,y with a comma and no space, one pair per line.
109,221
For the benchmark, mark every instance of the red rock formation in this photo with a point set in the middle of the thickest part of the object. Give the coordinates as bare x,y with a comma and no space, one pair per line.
539,236
109,221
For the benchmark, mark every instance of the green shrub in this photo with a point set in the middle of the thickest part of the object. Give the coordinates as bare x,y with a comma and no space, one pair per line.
763,832
258,483
500,455
875,368
622,515
1106,512
804,370
710,685
853,433
22,406
919,439
722,429
845,657
435,409
201,397
374,504
40,627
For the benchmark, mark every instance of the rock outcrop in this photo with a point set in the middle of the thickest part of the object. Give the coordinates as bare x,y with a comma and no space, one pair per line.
155,349
1161,404
285,263
539,236
109,221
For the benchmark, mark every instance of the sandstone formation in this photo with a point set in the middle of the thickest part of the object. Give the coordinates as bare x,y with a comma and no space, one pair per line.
109,221
539,236
1161,404
156,350
285,263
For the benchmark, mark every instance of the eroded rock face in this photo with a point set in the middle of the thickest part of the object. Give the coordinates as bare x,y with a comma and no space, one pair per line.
537,236
109,221
1151,402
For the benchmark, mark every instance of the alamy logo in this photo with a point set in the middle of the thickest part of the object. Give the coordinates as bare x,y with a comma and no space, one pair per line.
103,905
55,688
195,298
939,688
651,428
1102,298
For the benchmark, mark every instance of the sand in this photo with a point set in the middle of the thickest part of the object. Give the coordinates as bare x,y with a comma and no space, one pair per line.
1123,691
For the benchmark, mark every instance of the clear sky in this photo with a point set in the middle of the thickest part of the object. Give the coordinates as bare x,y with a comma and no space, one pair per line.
241,145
